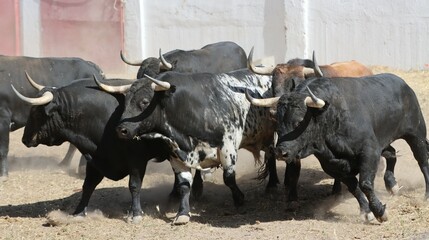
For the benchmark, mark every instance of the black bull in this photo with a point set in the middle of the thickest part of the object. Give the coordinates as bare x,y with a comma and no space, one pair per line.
218,57
348,125
51,71
85,116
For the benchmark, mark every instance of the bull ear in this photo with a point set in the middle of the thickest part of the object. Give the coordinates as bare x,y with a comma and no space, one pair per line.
50,108
294,82
174,63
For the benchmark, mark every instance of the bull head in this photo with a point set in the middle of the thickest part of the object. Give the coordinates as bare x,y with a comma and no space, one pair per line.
269,70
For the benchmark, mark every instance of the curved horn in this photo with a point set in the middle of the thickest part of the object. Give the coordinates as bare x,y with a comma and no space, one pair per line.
313,101
258,70
33,83
317,70
265,102
112,89
164,62
158,85
130,63
44,99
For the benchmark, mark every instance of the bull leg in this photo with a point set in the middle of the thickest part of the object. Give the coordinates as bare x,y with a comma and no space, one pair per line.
228,157
184,182
4,146
69,156
271,169
420,148
368,169
135,185
341,169
292,173
174,194
336,188
352,186
92,179
197,186
390,183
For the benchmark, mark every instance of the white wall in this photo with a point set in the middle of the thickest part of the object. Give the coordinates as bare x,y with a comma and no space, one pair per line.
392,33
191,24
30,28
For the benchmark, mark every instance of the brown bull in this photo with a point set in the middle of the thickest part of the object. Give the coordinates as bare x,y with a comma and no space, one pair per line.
287,75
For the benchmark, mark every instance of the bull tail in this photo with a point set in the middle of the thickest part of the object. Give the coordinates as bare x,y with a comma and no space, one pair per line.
263,171
268,168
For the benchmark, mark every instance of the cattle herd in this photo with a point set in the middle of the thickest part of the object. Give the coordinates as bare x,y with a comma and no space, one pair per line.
197,108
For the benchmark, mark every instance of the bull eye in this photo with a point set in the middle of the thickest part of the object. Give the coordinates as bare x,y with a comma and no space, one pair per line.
144,102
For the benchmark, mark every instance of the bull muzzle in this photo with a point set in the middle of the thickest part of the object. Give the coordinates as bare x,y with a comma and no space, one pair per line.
30,141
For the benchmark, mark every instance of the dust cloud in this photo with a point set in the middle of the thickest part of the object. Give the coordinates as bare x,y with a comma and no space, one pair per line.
60,218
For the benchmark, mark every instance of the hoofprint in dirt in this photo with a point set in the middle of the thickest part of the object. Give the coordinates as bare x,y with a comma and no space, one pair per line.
37,198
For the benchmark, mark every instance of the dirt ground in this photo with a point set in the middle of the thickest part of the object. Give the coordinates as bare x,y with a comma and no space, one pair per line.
38,192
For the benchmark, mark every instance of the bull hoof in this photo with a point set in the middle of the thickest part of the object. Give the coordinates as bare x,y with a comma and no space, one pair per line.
395,190
367,217
383,218
134,219
181,220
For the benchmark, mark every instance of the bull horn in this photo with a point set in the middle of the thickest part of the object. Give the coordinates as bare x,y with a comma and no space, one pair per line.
313,101
130,63
42,100
166,64
158,85
112,89
258,70
33,83
317,70
265,102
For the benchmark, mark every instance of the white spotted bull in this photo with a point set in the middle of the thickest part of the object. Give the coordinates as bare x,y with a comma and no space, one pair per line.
206,116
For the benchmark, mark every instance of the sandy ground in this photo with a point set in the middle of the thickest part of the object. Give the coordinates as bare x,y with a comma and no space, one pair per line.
39,192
